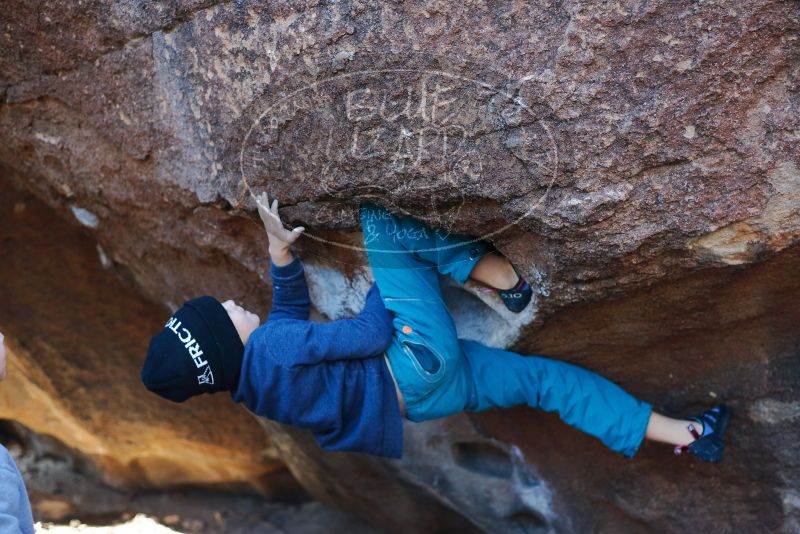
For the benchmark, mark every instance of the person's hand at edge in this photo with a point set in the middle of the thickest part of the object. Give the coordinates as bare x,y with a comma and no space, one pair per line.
280,238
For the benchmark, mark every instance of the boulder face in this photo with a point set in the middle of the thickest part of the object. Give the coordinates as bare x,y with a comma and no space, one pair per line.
77,337
638,163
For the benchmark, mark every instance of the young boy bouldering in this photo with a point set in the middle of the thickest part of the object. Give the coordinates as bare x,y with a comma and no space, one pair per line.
350,382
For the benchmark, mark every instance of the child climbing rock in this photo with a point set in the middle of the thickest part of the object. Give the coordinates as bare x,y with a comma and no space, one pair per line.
351,381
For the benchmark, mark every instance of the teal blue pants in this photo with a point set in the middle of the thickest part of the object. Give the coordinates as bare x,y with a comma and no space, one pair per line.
440,374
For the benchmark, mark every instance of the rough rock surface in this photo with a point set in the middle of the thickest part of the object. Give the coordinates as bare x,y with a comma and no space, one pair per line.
76,336
61,486
637,161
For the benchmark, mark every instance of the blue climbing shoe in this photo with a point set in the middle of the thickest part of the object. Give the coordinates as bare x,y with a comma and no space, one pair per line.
709,445
518,296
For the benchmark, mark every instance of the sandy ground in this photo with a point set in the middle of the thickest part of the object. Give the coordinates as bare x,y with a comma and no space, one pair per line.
140,524
67,497
310,518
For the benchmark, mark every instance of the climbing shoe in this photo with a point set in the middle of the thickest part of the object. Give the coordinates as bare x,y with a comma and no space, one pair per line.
709,445
518,296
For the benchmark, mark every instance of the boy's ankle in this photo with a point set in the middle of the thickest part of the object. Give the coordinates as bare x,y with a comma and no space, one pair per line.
698,430
700,427
510,279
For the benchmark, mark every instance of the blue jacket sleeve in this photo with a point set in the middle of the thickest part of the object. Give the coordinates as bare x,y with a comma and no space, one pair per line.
290,298
365,336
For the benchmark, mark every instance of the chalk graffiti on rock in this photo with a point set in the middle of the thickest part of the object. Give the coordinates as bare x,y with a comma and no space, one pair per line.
401,138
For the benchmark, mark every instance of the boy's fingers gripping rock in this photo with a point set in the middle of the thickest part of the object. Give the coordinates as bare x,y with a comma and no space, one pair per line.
268,211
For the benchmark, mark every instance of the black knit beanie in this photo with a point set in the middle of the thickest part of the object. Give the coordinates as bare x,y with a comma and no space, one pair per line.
198,351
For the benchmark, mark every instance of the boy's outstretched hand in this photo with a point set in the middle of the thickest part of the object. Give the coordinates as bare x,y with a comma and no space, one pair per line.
280,239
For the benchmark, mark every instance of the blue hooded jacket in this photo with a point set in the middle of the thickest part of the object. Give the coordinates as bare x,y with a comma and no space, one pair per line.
330,378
